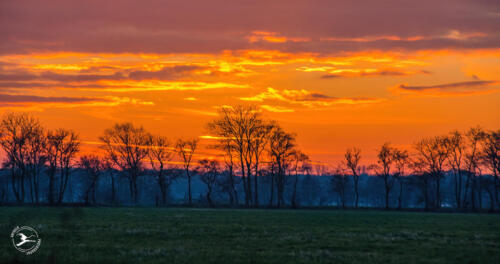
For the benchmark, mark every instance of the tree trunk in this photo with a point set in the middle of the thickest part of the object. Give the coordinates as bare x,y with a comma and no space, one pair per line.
190,199
243,178
256,189
63,186
294,195
400,197
387,190
356,190
271,197
438,192
51,186
209,197
496,190
466,192
113,189
14,189
472,193
426,198
249,183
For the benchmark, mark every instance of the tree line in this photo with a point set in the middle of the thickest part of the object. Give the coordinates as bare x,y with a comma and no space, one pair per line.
257,160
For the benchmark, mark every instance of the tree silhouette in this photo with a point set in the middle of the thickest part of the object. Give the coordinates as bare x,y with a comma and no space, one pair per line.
457,150
352,157
126,147
281,149
244,129
382,169
491,156
401,160
475,136
339,182
432,154
93,166
160,152
209,171
23,140
186,149
299,164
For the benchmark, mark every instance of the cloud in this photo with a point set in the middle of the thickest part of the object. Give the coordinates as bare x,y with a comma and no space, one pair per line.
458,88
167,73
18,100
215,26
8,98
277,109
272,37
307,98
339,73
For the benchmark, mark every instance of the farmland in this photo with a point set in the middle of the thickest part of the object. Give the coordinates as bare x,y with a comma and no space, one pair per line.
190,235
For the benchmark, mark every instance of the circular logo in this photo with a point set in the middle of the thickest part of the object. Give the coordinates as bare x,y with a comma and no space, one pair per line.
25,239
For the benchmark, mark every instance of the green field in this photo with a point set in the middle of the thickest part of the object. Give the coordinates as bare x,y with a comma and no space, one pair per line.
150,235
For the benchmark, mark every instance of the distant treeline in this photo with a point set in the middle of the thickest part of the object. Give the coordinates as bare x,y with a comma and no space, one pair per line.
258,164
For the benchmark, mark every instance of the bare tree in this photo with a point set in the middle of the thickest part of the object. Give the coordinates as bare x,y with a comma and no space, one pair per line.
22,138
475,136
281,146
383,169
457,150
339,183
432,154
242,127
54,142
93,166
299,163
186,149
109,165
271,172
126,147
420,170
70,145
352,157
401,160
259,141
209,171
160,153
229,183
491,157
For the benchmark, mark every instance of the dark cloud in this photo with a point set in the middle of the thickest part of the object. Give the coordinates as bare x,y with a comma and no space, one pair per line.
319,96
153,26
331,76
20,99
389,72
52,76
167,73
448,86
20,79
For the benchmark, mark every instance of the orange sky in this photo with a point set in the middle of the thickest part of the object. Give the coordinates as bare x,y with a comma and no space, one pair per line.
362,84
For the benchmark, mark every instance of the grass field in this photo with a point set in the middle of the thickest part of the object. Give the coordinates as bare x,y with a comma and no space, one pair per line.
150,235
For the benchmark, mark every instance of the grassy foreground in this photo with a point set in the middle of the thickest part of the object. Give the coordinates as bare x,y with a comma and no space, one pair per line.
151,235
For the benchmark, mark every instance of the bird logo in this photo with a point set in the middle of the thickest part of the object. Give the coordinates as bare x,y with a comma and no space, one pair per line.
25,239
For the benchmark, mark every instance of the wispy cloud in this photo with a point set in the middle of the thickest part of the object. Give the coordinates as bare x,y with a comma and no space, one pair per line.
277,109
458,88
370,72
273,37
305,98
18,100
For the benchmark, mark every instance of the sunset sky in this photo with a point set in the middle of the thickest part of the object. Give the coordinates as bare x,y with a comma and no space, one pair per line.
337,73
